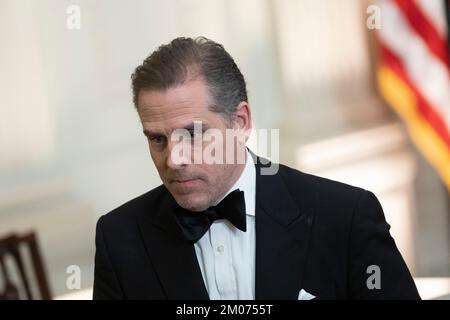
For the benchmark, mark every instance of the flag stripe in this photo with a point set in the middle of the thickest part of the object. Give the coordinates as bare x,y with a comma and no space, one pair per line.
400,96
426,30
414,74
428,74
391,61
434,11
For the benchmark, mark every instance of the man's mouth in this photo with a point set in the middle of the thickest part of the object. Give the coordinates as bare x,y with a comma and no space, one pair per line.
184,182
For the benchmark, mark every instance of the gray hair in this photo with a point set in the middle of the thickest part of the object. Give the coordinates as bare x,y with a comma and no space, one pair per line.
185,59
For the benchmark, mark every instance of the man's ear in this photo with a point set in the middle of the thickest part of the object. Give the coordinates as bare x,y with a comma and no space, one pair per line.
242,118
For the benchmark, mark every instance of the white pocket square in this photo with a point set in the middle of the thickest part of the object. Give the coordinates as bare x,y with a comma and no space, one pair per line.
303,295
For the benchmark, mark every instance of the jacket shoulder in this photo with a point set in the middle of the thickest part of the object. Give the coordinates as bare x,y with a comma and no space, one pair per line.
295,178
321,193
128,211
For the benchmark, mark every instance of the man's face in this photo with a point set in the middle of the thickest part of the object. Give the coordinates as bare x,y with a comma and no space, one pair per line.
194,186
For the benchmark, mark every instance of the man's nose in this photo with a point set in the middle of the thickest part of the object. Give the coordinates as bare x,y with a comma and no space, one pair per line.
178,154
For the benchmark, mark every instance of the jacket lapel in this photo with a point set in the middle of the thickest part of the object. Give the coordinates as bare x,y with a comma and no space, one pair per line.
283,230
174,259
282,238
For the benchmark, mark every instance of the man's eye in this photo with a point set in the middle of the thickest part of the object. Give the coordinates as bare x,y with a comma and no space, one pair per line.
157,139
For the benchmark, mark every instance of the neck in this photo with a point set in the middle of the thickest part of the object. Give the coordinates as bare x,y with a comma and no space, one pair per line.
239,169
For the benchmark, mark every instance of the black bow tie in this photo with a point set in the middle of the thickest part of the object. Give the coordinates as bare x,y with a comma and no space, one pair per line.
195,224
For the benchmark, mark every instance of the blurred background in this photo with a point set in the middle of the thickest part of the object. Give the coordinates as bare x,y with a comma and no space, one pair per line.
72,148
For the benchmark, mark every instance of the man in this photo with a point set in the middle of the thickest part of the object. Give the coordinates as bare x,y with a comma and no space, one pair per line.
226,230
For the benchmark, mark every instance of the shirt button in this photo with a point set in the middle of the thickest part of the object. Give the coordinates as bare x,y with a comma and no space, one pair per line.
220,248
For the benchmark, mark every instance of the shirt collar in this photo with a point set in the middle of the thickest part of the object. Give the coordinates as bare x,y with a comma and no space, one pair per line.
247,183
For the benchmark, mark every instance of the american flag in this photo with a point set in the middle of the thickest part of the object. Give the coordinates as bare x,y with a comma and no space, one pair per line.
413,73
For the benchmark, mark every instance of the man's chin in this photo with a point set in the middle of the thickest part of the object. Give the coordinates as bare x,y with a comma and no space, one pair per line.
192,202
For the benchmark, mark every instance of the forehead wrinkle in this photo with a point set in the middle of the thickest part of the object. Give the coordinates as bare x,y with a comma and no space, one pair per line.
168,106
174,108
172,116
167,124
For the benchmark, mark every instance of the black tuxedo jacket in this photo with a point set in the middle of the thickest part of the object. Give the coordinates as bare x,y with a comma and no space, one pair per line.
311,233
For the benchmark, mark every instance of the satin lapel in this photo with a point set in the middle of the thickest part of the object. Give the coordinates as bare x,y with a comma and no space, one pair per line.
174,259
282,238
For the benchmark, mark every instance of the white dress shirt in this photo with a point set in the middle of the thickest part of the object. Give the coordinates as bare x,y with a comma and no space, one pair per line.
226,255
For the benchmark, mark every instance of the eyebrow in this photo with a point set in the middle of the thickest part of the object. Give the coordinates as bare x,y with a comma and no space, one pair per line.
189,127
149,133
